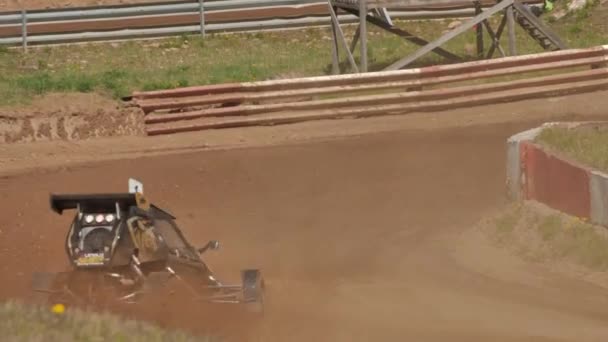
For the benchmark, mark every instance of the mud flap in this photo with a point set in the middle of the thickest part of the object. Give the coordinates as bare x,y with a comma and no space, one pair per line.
253,291
156,280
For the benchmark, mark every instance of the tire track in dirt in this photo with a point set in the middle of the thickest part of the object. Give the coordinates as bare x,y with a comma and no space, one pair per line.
356,237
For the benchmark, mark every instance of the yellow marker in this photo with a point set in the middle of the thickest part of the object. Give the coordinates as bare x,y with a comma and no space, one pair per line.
58,309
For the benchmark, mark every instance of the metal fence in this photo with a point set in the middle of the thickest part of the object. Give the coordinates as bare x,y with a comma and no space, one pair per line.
437,88
174,18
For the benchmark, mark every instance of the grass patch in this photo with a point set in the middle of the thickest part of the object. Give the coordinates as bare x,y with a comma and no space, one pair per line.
586,11
505,224
587,144
19,322
540,234
549,227
117,69
581,242
40,83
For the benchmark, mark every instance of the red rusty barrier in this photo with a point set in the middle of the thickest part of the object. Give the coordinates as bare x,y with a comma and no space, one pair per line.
370,94
383,76
555,181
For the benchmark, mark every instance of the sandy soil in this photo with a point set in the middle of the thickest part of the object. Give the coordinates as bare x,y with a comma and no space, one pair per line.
361,236
526,240
69,117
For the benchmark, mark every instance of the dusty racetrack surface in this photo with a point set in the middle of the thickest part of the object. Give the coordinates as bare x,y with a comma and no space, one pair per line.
360,239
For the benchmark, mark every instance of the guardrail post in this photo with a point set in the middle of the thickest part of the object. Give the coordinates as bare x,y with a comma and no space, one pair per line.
201,8
479,31
511,30
335,52
24,29
363,33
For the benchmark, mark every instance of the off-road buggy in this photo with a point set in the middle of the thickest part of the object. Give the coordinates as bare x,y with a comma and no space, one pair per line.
123,249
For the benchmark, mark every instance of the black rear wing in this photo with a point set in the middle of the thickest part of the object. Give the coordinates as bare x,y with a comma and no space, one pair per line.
108,202
97,202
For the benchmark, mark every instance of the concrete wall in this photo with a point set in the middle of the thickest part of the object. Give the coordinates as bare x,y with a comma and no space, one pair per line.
599,198
534,173
515,182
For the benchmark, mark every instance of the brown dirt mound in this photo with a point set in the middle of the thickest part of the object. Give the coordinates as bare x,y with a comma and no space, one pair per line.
69,117
541,235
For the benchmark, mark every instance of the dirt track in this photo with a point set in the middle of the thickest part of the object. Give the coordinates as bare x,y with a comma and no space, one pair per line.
362,238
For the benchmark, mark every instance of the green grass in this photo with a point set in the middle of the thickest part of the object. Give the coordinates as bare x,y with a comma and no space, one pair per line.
505,223
117,69
19,322
587,11
549,235
586,144
576,240
581,242
549,227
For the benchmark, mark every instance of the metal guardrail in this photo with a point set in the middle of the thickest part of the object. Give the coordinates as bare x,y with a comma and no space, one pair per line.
147,9
437,88
156,20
